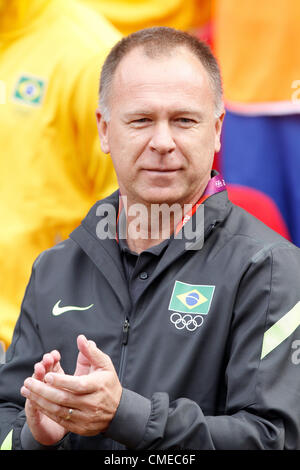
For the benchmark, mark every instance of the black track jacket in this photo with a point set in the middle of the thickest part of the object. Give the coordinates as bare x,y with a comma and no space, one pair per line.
211,356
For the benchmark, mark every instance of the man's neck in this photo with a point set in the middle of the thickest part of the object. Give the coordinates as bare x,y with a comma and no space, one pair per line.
148,225
150,231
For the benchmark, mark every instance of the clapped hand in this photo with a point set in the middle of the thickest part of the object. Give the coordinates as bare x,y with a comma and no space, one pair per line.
44,430
83,403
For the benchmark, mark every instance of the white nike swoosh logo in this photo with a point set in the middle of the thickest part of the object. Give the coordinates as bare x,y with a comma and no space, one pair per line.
57,310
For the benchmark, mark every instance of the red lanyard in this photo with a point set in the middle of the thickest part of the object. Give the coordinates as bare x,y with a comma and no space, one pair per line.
215,185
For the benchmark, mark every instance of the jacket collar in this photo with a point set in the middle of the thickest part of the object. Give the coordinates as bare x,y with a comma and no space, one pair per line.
104,253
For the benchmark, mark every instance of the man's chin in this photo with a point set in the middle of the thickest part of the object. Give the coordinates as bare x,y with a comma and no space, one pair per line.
160,197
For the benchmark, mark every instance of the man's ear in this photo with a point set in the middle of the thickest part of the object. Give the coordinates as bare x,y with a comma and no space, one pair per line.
218,127
102,126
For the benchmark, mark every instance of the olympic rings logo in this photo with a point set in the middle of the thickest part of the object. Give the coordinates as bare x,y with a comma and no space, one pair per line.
190,322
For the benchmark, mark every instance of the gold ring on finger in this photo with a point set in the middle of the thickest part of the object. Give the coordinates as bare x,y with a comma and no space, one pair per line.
70,412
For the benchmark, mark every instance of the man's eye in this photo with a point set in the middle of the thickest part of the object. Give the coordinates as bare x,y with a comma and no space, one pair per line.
184,120
141,121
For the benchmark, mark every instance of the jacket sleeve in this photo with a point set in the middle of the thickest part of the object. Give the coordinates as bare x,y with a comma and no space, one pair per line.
24,351
261,380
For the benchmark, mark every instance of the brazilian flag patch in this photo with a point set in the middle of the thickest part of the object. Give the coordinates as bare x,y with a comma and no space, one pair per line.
30,90
188,298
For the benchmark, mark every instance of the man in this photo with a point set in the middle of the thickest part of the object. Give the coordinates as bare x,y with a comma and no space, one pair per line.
185,337
51,167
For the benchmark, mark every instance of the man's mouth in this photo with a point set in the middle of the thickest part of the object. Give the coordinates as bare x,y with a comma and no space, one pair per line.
161,170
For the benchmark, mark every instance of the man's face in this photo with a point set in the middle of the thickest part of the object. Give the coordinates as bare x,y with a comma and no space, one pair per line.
162,133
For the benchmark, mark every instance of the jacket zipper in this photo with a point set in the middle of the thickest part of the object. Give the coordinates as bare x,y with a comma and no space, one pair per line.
126,326
125,335
210,229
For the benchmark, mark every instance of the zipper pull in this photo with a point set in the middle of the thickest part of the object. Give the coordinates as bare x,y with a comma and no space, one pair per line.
126,326
210,229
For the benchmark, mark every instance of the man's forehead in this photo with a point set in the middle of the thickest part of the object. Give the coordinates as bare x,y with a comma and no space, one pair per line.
137,64
157,53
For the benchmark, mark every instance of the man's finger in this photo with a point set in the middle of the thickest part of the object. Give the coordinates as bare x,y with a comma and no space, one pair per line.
39,371
93,354
83,365
39,401
76,384
65,394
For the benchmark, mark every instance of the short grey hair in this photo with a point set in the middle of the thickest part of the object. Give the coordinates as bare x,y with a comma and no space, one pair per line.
155,42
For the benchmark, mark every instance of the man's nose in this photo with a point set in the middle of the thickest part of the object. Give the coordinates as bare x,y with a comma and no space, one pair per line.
162,140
